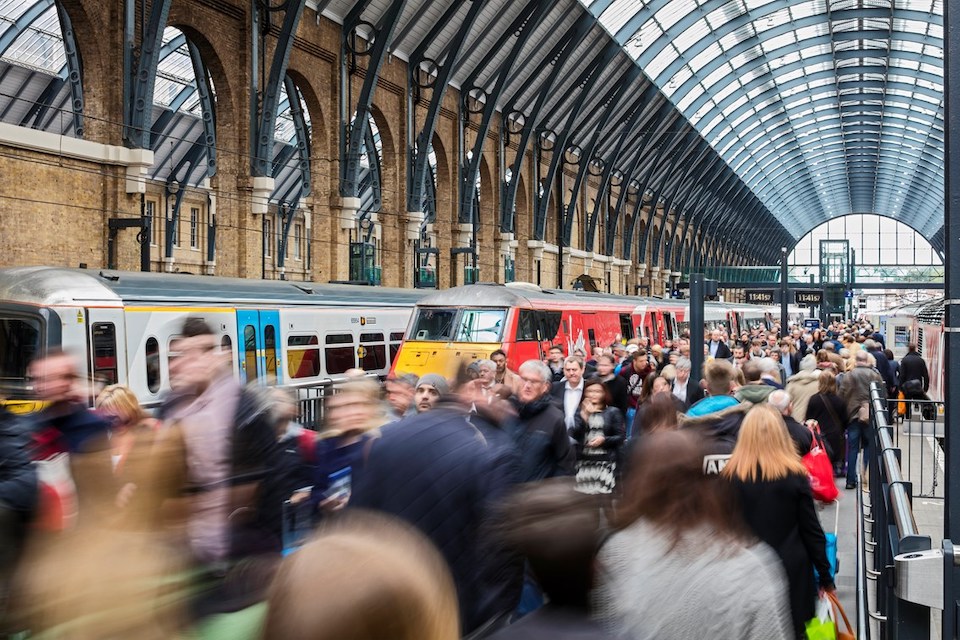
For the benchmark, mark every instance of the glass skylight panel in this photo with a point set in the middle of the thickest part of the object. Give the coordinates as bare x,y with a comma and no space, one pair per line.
720,74
702,59
663,60
618,14
806,9
672,11
697,32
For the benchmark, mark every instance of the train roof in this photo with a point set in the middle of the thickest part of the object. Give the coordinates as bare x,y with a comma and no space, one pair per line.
49,286
487,294
931,312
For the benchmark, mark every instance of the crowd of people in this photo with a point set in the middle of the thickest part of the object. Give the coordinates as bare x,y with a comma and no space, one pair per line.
610,494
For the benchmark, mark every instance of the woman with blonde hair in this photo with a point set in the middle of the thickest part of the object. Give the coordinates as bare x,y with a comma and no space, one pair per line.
364,576
132,434
777,504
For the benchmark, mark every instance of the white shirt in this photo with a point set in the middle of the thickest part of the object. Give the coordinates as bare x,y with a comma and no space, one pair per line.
571,402
681,391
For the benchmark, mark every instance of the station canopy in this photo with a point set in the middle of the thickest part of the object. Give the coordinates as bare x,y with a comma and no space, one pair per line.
823,107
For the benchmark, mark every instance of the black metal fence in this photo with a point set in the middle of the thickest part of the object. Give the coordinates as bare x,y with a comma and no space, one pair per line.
899,561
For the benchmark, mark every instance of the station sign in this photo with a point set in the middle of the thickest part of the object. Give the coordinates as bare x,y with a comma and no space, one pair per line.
759,296
809,298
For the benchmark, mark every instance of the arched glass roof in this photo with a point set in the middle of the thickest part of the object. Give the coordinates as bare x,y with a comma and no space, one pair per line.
822,107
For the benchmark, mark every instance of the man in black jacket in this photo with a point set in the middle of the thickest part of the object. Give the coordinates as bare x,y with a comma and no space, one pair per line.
717,348
540,432
914,378
446,474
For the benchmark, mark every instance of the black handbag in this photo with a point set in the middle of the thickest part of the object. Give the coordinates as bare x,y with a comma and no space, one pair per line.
912,386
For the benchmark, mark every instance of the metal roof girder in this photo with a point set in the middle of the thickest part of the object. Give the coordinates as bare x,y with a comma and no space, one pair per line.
584,84
562,52
676,143
208,115
418,159
609,106
705,191
140,98
695,173
470,175
354,134
533,7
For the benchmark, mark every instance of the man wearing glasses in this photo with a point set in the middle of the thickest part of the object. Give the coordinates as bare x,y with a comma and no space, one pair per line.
540,432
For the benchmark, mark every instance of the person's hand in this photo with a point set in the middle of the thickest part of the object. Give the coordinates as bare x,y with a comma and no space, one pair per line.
596,442
125,495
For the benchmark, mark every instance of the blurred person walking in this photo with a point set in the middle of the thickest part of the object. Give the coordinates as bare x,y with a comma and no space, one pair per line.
680,564
773,487
599,433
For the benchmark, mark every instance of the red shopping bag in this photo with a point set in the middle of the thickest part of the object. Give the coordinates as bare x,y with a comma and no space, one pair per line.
819,467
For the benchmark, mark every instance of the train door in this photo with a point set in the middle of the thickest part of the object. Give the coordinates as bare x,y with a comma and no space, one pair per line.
669,326
258,332
626,330
653,328
107,339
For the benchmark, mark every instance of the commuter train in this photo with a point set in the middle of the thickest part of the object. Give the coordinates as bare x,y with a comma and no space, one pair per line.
524,320
121,326
922,324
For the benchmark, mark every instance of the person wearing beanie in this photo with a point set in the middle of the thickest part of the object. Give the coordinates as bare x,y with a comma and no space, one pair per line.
429,389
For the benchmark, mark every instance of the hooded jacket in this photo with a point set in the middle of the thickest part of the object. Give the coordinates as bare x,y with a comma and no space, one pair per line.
803,386
719,431
754,393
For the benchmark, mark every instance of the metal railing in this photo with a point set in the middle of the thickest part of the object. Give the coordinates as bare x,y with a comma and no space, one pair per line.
896,556
918,432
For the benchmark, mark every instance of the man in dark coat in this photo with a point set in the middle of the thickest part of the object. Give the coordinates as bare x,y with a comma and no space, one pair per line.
439,472
914,378
18,498
801,436
540,432
717,348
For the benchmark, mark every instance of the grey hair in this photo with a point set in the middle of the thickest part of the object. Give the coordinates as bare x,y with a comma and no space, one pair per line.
483,363
869,345
862,356
683,363
780,400
768,365
537,367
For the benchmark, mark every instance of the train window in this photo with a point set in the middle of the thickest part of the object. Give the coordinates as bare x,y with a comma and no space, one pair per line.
303,356
226,344
339,359
626,330
19,345
527,326
480,325
592,336
152,361
374,355
901,336
668,325
433,324
270,349
104,337
250,352
395,340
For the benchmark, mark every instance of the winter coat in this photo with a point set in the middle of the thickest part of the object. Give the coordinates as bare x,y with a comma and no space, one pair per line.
438,472
613,433
801,387
18,477
541,436
650,589
855,389
830,413
913,367
719,431
755,393
782,514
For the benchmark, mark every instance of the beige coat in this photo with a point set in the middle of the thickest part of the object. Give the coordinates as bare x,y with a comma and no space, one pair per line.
801,387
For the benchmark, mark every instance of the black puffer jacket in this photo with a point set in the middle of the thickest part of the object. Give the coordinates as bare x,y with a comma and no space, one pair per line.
541,435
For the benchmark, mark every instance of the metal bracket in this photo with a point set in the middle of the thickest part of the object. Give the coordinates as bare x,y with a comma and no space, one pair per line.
920,577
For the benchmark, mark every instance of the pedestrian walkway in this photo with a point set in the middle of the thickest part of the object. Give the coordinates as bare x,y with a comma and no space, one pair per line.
846,579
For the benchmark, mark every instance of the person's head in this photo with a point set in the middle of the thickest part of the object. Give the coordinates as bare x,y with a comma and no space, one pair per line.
657,351
640,361
555,354
752,370
573,370
719,375
54,377
911,347
739,354
829,347
399,390
780,399
355,407
764,446
870,345
118,402
888,353
661,412
715,335
683,370
774,354
827,381
862,358
363,576
596,392
487,370
535,381
647,389
429,390
606,365
661,384
808,362
668,488
499,358
196,358
562,564
619,351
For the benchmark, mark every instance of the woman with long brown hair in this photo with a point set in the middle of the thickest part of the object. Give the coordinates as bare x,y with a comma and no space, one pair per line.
598,431
774,490
681,564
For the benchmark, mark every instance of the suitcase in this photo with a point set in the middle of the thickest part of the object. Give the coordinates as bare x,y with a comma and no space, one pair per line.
832,545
